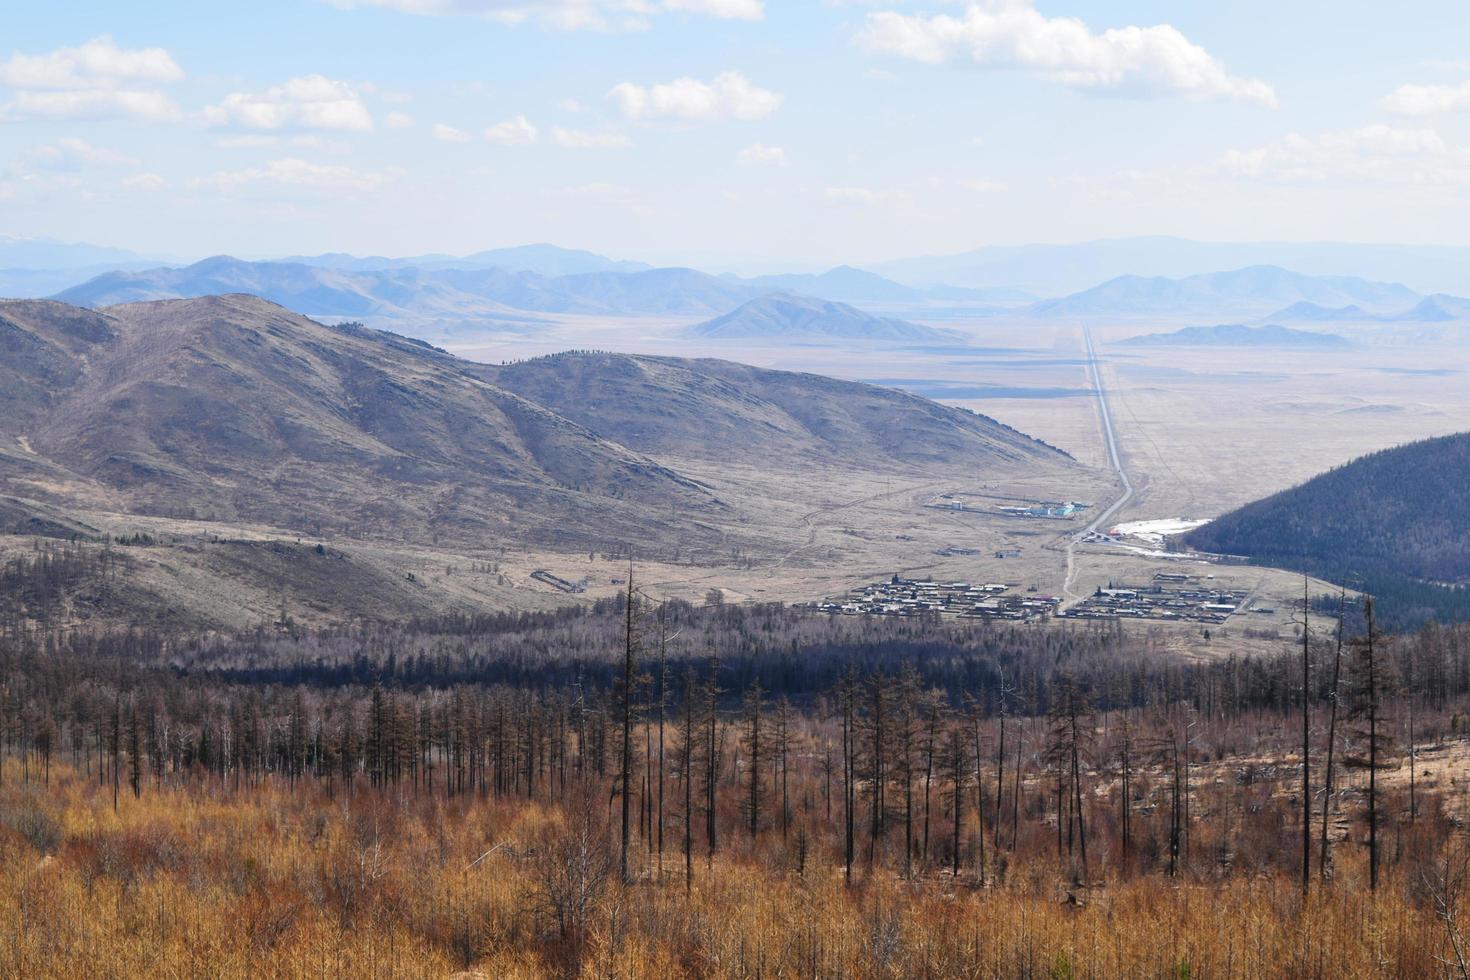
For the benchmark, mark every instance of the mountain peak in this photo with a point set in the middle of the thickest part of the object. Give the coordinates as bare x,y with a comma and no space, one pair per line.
788,315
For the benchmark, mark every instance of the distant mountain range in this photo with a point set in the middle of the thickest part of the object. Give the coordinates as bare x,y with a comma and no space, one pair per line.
542,259
1394,523
1252,290
1238,335
490,293
516,285
845,284
1439,308
1055,270
45,253
39,266
784,316
481,290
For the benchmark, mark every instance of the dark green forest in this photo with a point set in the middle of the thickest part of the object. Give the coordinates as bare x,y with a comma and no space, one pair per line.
1394,523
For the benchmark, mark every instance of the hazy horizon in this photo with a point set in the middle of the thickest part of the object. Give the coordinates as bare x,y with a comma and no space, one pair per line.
727,134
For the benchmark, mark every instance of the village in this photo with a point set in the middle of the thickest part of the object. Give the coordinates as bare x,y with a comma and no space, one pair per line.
909,597
1170,597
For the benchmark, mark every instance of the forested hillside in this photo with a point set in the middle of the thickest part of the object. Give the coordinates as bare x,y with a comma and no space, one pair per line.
1395,523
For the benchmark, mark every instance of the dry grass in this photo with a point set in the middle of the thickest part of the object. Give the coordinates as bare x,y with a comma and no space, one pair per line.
196,881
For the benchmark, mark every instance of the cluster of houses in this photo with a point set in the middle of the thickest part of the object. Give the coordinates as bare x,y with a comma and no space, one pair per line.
908,597
1171,596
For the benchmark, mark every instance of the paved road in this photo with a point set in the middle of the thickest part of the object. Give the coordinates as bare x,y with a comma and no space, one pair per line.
1106,514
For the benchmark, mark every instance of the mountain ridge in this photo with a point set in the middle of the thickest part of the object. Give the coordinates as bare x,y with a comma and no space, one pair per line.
1060,269
229,408
1394,523
788,316
1253,289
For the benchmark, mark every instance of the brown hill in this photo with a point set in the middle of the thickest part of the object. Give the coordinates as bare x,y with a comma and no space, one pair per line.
219,419
230,408
720,410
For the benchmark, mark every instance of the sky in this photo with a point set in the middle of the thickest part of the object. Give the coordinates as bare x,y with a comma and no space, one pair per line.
745,134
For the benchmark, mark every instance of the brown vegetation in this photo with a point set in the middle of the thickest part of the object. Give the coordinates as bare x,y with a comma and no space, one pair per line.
927,801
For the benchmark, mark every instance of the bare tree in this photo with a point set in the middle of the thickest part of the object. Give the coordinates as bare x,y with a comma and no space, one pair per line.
1448,888
1366,710
1306,737
572,866
626,696
956,758
1324,860
754,750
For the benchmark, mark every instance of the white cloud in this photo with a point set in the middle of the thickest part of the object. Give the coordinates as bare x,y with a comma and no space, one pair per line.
729,96
568,14
760,155
723,9
577,139
246,141
145,182
294,172
74,153
852,195
99,63
600,190
571,105
1386,140
308,102
1428,100
1376,154
1244,163
983,186
397,120
95,80
90,104
448,134
513,132
311,141
1013,34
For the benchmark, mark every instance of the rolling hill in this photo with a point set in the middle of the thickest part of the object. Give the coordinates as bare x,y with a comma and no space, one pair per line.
1395,523
748,414
1305,312
231,408
843,284
1239,335
786,316
1253,290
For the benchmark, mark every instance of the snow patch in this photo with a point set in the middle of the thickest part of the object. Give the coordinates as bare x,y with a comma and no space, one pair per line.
1154,532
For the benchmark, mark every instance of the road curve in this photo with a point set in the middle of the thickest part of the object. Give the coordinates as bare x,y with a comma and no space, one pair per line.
1111,438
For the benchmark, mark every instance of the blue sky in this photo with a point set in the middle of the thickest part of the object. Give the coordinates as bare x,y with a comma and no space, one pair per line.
749,134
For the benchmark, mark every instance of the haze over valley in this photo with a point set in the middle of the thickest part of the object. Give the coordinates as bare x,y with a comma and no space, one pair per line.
537,403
